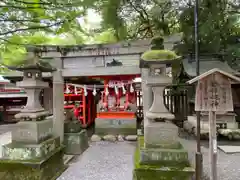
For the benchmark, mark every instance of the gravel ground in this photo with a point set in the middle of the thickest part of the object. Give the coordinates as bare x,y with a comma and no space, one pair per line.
228,164
103,161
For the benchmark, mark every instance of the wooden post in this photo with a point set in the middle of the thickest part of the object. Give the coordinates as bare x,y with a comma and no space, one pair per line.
213,145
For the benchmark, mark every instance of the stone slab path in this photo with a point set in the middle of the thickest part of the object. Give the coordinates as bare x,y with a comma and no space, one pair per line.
103,161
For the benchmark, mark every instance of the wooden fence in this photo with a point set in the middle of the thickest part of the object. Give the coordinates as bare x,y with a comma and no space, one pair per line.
175,100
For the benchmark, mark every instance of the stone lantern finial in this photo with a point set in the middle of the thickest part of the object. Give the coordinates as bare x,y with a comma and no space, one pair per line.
157,43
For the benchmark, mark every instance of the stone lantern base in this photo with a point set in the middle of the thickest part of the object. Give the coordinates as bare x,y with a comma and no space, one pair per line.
47,167
156,163
34,153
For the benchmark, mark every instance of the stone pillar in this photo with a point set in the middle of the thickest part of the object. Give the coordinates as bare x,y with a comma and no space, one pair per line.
147,97
48,100
58,100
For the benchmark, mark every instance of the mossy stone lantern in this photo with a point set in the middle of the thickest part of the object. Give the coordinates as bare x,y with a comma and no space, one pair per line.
157,59
159,155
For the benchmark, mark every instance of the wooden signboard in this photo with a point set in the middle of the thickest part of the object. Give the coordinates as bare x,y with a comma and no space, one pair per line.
214,93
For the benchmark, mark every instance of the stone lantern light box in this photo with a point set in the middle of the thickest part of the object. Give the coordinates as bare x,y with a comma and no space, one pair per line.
32,83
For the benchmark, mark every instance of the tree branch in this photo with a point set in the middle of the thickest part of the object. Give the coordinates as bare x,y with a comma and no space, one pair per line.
31,28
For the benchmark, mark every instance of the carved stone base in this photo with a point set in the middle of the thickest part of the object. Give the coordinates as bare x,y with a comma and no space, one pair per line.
161,164
32,132
46,168
20,151
170,157
32,116
162,135
76,143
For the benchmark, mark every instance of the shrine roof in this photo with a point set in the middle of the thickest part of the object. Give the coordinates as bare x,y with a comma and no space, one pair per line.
206,65
212,71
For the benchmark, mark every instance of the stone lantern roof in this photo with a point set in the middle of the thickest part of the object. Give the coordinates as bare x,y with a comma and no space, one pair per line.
157,54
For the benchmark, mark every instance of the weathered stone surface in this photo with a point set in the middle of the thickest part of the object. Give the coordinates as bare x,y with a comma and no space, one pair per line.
162,173
176,157
109,137
124,126
32,131
131,137
120,138
72,126
232,134
76,143
161,134
47,168
95,138
160,164
20,151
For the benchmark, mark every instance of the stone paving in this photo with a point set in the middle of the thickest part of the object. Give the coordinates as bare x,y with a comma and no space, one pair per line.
103,161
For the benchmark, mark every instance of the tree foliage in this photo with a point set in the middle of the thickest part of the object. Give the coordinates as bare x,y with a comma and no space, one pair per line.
57,22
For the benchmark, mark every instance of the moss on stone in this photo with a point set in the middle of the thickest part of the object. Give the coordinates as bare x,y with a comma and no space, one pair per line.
159,55
35,169
158,172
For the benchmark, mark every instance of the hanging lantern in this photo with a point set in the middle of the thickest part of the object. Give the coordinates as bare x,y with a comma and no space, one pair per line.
123,89
94,90
106,90
67,89
131,88
85,90
116,90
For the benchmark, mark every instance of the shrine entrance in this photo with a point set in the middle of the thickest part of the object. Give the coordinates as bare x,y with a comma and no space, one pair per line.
112,104
116,111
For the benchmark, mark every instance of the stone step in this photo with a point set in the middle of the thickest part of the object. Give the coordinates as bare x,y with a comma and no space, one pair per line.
161,173
171,157
22,151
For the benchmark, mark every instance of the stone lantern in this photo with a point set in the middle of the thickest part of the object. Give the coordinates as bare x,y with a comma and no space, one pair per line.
157,60
159,154
34,149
